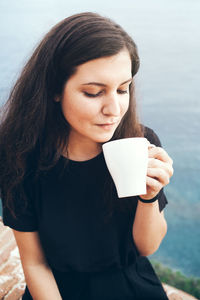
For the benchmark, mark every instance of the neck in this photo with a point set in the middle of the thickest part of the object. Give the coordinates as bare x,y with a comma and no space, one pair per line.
81,150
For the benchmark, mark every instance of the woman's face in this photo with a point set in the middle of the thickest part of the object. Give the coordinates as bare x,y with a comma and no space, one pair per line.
96,97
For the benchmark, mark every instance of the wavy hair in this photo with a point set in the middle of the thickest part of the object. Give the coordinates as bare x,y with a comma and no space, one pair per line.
33,130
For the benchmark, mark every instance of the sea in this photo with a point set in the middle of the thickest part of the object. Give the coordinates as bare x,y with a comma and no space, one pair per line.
167,34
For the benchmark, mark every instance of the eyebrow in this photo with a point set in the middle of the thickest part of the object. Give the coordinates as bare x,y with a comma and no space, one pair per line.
103,84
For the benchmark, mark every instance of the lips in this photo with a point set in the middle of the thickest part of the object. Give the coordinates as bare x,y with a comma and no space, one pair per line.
106,124
109,123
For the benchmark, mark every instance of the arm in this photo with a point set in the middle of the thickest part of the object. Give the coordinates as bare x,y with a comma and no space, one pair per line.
150,227
38,275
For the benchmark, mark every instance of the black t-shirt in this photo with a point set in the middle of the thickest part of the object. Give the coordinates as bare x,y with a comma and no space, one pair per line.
66,208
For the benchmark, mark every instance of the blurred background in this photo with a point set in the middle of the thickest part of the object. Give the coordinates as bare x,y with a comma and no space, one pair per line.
167,34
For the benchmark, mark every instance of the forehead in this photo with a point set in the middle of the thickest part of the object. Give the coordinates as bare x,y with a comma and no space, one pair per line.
116,68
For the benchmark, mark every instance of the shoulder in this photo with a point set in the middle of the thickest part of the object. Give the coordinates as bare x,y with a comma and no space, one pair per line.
151,136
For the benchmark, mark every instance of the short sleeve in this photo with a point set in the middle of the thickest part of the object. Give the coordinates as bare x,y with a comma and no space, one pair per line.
152,137
26,216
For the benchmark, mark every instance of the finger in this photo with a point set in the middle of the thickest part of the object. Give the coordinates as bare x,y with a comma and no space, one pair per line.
169,169
156,163
159,174
161,154
154,185
151,146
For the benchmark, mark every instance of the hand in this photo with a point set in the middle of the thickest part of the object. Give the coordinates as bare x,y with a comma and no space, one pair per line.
159,171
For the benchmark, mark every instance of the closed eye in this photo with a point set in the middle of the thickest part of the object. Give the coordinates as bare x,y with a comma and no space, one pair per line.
92,95
122,92
99,93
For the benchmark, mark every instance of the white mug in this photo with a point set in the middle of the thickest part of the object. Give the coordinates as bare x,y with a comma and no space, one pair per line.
127,162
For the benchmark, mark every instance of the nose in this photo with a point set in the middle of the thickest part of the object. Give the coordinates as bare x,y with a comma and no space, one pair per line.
111,106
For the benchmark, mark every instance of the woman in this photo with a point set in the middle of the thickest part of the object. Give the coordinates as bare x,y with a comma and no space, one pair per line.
76,238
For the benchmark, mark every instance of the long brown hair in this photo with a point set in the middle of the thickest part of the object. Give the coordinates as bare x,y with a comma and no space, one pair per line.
33,130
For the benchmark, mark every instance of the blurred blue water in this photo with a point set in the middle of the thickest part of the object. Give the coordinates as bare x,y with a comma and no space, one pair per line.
168,37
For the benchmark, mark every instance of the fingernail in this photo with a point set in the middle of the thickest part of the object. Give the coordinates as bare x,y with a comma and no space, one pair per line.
151,146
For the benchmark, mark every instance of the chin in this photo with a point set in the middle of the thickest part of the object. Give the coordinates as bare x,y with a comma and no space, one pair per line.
104,139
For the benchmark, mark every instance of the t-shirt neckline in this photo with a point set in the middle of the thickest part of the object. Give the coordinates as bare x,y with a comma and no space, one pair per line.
71,161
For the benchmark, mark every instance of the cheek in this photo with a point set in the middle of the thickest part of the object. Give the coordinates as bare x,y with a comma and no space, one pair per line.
78,111
124,106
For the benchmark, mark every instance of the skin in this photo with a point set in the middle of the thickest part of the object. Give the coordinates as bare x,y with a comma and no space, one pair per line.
83,110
